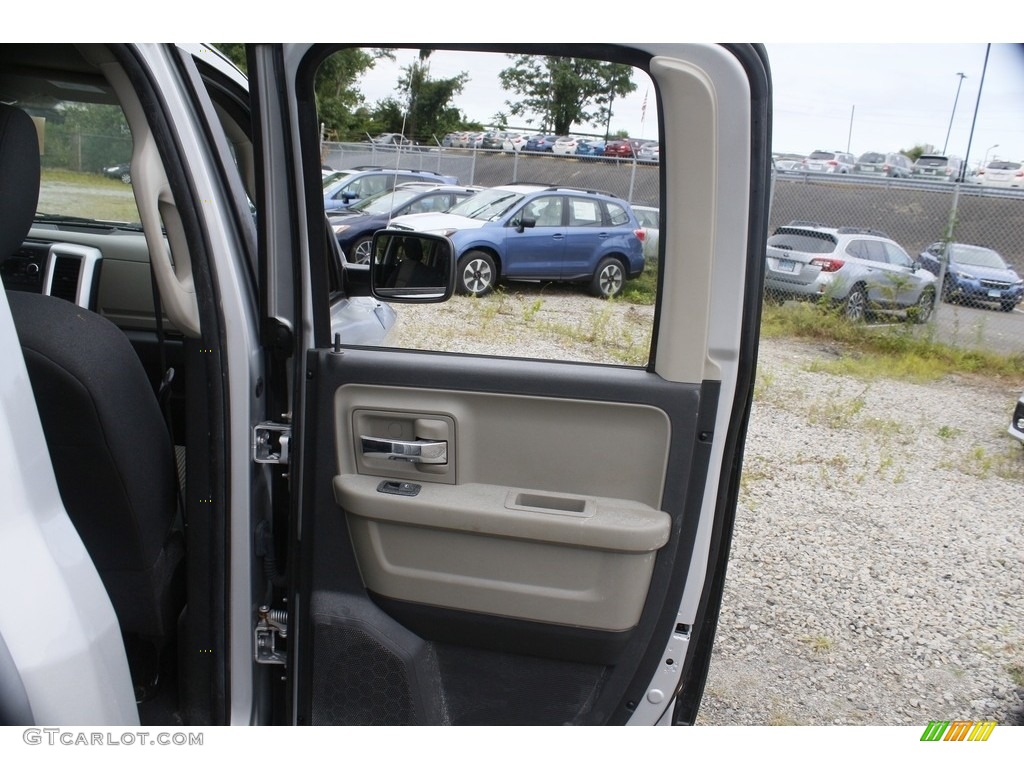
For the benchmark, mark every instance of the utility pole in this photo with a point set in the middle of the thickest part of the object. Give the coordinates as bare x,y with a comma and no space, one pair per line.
974,120
961,75
849,136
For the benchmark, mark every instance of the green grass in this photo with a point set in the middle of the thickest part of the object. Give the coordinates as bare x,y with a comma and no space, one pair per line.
900,352
644,289
73,193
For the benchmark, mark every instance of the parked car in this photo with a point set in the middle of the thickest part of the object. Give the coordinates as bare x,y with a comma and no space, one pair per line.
121,172
859,270
494,140
1002,173
975,274
788,165
943,167
622,147
893,165
1016,428
540,143
354,226
391,140
359,183
515,142
591,147
822,161
649,152
650,219
566,145
531,232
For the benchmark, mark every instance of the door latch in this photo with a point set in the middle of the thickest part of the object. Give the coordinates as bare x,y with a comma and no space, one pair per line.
270,443
271,632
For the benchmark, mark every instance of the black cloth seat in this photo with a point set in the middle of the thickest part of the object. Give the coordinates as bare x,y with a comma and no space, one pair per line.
108,442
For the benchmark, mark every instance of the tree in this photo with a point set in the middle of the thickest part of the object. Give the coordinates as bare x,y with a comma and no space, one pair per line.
564,91
429,111
235,52
917,150
338,99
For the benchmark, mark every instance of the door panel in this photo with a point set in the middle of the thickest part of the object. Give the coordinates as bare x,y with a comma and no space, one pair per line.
548,547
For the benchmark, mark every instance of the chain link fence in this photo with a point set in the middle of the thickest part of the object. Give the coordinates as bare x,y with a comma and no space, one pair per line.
633,181
68,148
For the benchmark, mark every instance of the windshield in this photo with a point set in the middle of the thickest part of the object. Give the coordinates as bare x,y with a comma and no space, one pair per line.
976,256
332,186
805,241
385,202
1003,165
872,157
821,155
488,205
932,161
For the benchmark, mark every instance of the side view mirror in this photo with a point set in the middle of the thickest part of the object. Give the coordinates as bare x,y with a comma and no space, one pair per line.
411,267
524,223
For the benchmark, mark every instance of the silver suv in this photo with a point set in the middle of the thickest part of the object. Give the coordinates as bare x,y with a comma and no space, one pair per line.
894,165
829,162
860,270
945,167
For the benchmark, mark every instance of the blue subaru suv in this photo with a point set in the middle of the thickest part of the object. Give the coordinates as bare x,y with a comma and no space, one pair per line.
533,232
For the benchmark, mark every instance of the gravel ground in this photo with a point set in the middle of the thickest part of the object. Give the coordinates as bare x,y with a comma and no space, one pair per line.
878,560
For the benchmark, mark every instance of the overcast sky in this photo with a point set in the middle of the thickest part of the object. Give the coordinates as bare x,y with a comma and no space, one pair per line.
865,97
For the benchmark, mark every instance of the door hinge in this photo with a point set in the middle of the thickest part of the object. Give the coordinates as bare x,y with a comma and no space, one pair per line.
270,443
271,633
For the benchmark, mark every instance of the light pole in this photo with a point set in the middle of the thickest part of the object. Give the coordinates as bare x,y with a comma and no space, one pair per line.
974,120
984,163
961,75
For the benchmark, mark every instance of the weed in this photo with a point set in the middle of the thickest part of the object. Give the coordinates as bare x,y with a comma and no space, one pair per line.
763,382
782,719
1016,670
948,433
643,289
531,311
886,461
836,413
818,643
978,462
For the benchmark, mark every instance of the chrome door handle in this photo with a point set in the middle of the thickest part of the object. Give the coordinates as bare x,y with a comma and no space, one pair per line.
413,451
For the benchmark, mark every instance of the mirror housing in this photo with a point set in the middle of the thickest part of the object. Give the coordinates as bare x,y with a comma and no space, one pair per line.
411,267
524,223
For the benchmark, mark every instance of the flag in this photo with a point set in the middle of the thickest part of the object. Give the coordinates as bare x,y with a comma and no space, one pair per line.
643,108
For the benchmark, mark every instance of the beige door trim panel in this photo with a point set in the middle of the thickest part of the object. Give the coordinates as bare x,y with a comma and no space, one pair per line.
517,523
579,561
502,439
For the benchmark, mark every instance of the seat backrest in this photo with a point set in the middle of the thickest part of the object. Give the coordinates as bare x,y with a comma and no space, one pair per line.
19,177
107,439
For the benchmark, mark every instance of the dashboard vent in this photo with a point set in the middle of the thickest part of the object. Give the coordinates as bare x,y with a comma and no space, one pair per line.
66,271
